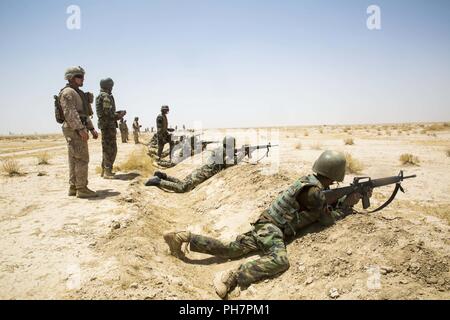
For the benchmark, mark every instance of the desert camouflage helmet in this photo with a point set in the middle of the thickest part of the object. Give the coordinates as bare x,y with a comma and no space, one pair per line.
107,83
73,71
165,108
331,164
229,141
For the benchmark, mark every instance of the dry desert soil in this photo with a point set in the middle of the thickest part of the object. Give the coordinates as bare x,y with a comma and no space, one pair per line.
58,247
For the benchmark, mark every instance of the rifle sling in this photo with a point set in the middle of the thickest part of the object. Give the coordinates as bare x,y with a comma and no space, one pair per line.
388,201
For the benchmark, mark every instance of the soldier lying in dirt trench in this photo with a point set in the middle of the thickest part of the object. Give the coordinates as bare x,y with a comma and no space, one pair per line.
302,204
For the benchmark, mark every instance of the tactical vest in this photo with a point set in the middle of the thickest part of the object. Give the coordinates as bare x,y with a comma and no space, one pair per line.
286,209
105,122
86,98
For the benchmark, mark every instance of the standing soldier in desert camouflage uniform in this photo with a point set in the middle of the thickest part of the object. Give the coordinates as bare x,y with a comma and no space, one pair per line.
162,131
300,205
123,130
107,123
76,108
221,158
136,130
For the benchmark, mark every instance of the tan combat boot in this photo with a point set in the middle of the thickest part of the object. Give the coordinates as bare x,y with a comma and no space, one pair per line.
224,282
175,241
85,192
108,174
72,191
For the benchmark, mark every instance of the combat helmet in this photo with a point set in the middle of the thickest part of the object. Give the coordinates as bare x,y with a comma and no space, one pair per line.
331,164
229,142
73,71
165,108
107,83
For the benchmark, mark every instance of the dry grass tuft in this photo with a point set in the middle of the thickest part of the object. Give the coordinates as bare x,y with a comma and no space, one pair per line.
316,146
349,142
138,160
353,165
298,146
448,152
11,167
306,133
409,159
43,158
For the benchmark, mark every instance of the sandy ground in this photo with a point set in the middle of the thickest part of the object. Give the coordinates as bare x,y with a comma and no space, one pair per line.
54,246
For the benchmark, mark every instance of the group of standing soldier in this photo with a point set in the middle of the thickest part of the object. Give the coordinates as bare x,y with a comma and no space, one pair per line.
75,112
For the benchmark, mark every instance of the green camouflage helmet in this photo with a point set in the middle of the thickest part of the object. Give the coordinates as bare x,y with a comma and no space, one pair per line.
165,108
229,142
107,83
331,164
73,71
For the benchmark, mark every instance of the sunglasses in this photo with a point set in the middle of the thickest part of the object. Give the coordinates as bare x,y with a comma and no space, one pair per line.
79,76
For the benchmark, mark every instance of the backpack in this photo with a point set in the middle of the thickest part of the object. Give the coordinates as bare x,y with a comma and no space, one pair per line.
59,114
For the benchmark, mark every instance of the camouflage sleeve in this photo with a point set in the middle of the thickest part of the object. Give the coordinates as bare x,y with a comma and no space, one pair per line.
89,124
159,123
337,212
314,200
68,104
240,156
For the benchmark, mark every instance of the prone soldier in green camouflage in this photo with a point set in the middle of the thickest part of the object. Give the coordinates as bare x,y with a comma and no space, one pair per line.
221,158
302,204
107,122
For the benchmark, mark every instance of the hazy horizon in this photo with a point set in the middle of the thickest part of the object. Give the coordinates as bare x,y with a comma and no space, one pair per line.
231,64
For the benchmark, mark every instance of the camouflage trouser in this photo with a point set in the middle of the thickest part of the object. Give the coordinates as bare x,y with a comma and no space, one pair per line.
109,147
123,135
78,158
163,139
265,237
136,137
191,181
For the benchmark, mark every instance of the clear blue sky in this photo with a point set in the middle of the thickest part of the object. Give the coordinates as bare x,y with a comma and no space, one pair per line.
231,63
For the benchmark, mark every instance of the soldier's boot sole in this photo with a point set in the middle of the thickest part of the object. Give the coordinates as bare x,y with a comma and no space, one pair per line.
86,193
223,283
175,244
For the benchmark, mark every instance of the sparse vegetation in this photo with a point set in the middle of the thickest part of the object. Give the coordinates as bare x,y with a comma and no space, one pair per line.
316,146
298,146
349,142
353,165
43,158
11,167
448,152
409,159
138,160
306,133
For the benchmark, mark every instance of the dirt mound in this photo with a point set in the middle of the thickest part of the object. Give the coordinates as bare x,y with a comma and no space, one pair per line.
391,255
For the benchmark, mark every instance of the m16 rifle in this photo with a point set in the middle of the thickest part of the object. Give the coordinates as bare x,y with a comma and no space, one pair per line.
248,149
363,185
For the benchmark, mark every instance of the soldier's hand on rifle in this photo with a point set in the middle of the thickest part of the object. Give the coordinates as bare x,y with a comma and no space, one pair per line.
84,134
94,134
353,198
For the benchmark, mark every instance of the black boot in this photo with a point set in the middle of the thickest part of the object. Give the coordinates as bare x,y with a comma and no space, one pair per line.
153,181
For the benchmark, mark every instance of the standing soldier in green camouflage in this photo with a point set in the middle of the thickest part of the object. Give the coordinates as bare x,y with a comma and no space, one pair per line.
162,132
107,122
221,158
76,108
136,130
302,204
